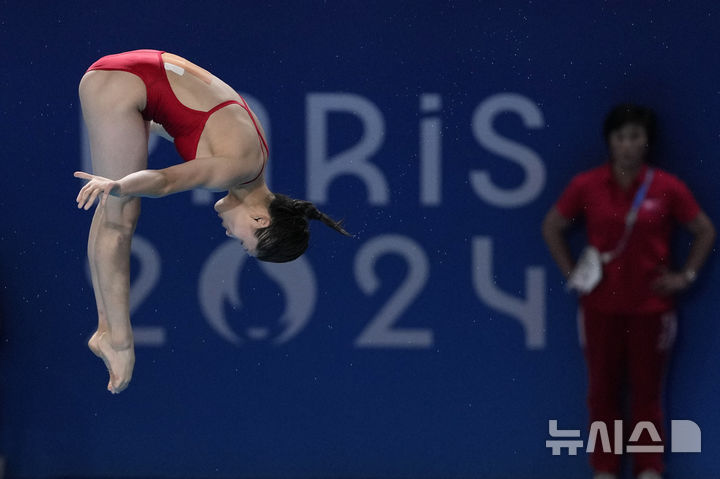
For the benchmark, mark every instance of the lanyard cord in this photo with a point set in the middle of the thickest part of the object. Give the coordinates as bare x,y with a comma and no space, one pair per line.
630,218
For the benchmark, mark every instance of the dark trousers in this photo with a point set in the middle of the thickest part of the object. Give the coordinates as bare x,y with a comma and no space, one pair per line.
636,348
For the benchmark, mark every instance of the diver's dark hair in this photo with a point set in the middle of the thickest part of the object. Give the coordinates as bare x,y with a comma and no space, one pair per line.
287,236
626,113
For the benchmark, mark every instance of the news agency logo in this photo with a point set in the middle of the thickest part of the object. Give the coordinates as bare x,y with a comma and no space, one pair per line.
685,437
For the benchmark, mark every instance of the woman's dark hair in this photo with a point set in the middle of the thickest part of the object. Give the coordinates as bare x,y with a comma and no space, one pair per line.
626,113
287,236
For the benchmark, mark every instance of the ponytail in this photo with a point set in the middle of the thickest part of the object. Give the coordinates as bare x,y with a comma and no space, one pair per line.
310,211
288,234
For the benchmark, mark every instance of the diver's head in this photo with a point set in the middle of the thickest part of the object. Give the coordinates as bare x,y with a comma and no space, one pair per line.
288,232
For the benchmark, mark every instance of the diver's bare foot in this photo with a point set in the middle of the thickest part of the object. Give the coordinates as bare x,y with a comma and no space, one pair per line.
118,361
93,343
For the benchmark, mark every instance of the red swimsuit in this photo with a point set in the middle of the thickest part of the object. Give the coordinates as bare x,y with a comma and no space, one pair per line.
184,124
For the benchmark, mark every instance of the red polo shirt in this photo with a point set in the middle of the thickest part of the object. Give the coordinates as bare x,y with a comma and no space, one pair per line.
626,284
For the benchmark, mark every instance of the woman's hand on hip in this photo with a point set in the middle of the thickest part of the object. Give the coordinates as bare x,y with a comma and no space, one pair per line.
670,282
97,186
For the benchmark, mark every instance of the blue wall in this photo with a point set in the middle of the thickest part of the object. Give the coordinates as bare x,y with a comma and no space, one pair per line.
439,341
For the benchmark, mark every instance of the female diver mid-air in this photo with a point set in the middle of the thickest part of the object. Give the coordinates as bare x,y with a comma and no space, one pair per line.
222,143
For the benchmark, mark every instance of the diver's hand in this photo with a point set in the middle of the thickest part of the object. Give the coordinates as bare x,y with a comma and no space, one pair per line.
97,186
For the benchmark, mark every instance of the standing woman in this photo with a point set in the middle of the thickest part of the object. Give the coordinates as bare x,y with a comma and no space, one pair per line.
222,143
627,322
